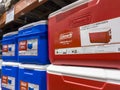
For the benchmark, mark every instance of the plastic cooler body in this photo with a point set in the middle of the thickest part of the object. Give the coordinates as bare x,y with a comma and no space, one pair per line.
10,47
82,78
9,78
33,45
85,33
32,79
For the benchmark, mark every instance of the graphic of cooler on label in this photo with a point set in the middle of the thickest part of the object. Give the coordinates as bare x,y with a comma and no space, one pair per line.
8,82
28,86
28,47
100,37
8,50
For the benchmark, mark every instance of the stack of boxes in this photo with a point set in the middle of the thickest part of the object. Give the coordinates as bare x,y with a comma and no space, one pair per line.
25,57
84,42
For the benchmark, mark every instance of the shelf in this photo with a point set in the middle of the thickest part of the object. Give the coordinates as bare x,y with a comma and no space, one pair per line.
22,7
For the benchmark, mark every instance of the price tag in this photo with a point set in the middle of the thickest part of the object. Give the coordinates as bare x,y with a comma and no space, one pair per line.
10,15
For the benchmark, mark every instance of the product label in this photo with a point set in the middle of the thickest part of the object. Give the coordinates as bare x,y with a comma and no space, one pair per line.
100,37
28,47
8,82
28,86
8,50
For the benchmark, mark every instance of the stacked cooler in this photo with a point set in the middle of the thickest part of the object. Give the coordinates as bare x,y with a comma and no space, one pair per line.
10,63
33,54
25,56
10,76
84,46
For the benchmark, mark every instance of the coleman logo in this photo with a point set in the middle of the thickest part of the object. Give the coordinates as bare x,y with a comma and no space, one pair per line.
65,36
5,46
23,43
4,77
24,84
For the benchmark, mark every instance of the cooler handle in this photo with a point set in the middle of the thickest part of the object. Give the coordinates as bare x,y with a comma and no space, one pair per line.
8,69
81,21
74,82
28,73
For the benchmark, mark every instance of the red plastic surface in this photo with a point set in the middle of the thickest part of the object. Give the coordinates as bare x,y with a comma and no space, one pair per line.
100,37
57,82
70,21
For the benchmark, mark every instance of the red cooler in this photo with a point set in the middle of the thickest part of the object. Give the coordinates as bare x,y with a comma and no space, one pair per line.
86,33
82,78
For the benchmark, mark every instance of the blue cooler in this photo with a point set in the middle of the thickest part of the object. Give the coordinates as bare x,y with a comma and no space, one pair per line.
33,43
10,76
10,47
32,77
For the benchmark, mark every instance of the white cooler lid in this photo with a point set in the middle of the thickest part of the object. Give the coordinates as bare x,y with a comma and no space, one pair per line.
74,5
11,33
69,7
0,63
33,66
55,13
33,24
99,74
10,64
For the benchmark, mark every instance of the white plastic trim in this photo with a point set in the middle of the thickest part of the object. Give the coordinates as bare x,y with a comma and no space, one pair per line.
33,66
74,5
11,33
99,74
10,64
69,7
33,24
0,63
55,13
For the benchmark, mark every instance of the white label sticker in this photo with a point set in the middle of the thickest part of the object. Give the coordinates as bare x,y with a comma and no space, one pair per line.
10,15
8,50
29,47
33,86
8,82
28,86
100,37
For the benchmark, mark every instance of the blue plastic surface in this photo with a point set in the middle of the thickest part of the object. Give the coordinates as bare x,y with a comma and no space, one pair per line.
7,40
33,77
10,71
39,33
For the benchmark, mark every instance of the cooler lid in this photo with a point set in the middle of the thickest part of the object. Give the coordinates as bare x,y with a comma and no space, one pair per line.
77,71
33,24
10,64
100,74
74,5
69,7
11,33
0,63
55,13
33,66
